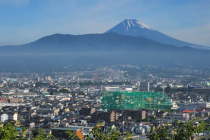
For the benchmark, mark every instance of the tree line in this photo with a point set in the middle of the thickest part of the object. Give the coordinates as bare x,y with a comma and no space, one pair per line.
173,131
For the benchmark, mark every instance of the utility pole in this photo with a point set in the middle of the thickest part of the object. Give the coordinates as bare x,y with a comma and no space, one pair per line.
101,91
29,116
123,128
29,130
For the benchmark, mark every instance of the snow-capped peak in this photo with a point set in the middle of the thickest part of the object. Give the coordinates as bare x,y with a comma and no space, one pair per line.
133,22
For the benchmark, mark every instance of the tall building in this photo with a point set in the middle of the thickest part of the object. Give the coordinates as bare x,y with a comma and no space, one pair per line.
49,78
144,86
38,79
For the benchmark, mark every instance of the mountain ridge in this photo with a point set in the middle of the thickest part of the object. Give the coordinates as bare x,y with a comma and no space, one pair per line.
58,50
134,27
106,42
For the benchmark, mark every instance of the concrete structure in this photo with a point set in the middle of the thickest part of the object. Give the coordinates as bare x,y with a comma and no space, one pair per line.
144,86
119,88
179,117
201,90
15,100
105,116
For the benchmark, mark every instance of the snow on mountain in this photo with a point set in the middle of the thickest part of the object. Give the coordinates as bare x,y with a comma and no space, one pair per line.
134,22
133,27
129,25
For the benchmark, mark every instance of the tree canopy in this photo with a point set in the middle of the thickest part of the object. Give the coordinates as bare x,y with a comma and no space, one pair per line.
176,131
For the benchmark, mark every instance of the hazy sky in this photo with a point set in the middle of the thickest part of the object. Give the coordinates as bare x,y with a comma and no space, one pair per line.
23,21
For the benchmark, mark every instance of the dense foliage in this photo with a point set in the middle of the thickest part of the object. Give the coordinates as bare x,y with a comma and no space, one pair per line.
177,131
64,90
13,131
97,134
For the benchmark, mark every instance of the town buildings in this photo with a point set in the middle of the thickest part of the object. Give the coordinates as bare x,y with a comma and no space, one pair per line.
75,100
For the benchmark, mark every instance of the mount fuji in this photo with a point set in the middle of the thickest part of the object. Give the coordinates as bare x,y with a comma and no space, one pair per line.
133,27
130,42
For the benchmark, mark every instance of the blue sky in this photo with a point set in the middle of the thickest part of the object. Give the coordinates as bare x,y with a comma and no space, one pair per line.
24,21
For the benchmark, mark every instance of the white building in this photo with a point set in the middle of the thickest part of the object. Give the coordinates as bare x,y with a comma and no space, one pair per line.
140,130
119,88
175,106
23,90
179,117
194,106
9,116
205,105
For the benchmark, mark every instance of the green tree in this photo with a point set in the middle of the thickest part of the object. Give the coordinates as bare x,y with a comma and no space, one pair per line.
97,134
167,89
10,131
42,135
64,90
176,132
207,128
